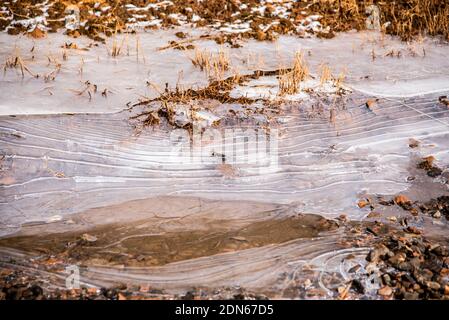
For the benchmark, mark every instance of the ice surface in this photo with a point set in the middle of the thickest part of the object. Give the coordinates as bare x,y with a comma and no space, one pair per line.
368,60
57,165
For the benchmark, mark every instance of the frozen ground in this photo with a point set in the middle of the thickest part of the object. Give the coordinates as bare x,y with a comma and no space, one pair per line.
369,61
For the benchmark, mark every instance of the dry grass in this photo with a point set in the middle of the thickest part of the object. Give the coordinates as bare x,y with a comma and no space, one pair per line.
214,65
116,48
325,74
339,81
51,76
89,89
81,67
405,18
220,64
415,17
15,61
217,90
201,59
290,79
139,50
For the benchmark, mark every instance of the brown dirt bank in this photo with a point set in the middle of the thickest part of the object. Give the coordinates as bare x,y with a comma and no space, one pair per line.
405,18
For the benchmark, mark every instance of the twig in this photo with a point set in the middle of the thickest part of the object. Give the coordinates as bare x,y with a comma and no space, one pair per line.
172,45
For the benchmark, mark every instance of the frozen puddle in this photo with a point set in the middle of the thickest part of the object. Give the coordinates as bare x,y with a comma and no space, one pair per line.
73,161
171,242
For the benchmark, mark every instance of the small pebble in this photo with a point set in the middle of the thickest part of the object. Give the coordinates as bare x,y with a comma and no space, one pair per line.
385,291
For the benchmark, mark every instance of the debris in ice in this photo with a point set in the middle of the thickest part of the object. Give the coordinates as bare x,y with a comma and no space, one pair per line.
444,100
267,88
207,117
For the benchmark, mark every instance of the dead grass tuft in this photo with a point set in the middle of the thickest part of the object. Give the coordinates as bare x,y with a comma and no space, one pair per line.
214,65
325,74
290,79
15,61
